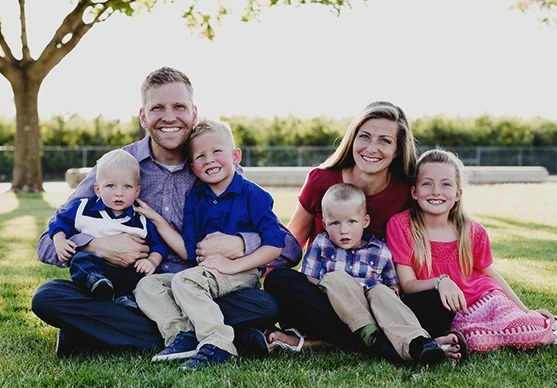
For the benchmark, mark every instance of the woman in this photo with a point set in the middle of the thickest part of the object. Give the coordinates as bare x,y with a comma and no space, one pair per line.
378,155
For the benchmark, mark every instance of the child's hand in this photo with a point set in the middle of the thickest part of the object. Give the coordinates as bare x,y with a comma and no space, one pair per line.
547,314
146,210
65,249
451,296
220,263
396,290
144,266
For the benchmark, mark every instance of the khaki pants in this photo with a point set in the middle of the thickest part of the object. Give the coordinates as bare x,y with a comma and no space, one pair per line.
380,305
184,302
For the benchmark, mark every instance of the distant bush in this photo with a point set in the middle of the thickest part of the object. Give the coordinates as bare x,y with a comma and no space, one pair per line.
292,131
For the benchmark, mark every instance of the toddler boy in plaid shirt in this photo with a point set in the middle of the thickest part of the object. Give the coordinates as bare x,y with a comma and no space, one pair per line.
357,273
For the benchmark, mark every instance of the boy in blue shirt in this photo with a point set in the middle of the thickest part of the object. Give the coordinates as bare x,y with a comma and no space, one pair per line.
357,273
107,213
224,201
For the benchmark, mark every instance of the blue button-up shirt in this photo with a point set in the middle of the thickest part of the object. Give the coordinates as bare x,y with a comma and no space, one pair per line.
242,207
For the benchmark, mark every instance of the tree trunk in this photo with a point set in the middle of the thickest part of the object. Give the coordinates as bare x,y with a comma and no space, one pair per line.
27,173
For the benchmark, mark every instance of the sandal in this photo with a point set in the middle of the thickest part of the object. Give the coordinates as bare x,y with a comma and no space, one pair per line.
284,345
461,342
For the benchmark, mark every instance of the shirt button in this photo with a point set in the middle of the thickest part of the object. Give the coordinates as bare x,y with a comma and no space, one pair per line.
332,256
166,208
350,267
215,201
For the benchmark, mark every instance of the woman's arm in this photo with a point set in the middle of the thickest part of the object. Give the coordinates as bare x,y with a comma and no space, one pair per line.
301,224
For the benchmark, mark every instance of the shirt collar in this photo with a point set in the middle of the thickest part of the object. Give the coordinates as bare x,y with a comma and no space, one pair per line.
99,206
234,187
368,237
144,151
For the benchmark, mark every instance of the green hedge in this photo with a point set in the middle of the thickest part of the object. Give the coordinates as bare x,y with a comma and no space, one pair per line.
292,131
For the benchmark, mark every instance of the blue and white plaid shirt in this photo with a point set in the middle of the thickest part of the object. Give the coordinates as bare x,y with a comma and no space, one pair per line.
369,264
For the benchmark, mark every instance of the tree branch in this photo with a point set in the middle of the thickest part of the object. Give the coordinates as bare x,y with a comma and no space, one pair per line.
72,25
26,54
8,56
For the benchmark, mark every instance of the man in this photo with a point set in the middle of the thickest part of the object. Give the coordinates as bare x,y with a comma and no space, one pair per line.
168,114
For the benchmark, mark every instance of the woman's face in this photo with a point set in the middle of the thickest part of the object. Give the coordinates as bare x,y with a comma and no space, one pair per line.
375,145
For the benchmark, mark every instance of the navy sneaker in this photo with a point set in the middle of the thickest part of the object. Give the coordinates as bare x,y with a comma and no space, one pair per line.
426,351
127,301
252,343
183,346
103,289
207,355
64,348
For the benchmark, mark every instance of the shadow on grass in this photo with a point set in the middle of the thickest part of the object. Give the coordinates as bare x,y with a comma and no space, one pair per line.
533,226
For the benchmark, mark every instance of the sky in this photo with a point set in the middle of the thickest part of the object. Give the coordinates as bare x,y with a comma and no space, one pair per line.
447,57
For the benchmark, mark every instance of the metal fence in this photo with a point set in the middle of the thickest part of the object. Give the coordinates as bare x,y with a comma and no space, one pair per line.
56,160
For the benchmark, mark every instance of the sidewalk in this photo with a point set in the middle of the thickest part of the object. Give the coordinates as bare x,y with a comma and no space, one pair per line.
49,187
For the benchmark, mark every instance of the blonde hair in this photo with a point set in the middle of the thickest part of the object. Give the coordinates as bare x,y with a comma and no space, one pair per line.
206,125
343,193
403,164
116,159
457,215
163,76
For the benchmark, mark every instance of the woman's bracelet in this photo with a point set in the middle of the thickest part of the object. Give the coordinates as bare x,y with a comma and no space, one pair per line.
438,280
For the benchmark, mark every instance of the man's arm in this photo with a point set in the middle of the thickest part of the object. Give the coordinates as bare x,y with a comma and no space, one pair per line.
243,244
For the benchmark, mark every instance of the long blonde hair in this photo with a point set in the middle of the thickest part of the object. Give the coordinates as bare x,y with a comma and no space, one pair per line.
457,215
403,164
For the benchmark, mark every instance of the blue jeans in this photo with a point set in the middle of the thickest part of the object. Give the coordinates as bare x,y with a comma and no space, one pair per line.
102,324
85,268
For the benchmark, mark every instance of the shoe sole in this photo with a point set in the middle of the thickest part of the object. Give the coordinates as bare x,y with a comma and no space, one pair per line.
173,356
103,289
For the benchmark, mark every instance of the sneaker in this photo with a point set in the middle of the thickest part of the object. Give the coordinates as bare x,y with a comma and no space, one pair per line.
63,347
252,343
382,348
183,346
425,351
103,289
207,355
127,301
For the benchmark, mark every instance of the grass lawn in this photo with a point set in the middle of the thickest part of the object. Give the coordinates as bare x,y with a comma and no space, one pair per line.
522,223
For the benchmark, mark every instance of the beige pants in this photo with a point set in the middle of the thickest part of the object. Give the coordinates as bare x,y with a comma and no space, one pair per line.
185,302
380,305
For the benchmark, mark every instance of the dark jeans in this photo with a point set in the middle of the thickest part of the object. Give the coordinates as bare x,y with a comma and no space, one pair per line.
85,264
429,310
305,307
102,324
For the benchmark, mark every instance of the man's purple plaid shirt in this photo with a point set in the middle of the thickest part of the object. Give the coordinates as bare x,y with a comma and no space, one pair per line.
165,192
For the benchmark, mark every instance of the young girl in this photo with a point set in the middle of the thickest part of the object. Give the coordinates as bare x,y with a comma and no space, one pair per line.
436,245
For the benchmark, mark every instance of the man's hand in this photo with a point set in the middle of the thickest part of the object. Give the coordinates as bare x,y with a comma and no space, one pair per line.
218,243
121,250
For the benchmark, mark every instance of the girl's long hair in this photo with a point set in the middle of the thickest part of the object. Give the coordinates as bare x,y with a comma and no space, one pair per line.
457,216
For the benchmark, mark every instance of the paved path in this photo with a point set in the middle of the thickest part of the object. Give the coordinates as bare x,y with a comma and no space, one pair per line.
50,187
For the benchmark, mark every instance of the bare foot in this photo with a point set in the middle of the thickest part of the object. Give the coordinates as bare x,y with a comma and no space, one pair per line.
450,345
275,336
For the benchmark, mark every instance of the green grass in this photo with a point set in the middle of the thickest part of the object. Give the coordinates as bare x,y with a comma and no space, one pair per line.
522,224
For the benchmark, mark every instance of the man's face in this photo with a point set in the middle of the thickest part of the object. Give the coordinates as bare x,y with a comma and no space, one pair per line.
169,115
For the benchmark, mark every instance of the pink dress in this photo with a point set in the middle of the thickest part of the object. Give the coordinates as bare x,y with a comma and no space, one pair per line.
493,320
